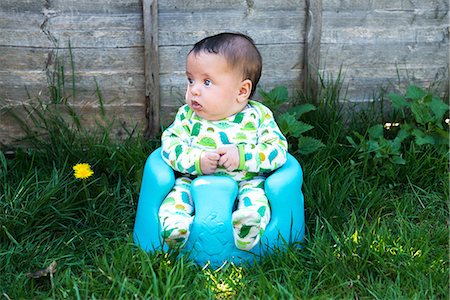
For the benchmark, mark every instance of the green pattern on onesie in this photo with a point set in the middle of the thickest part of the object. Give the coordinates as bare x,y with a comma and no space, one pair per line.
253,130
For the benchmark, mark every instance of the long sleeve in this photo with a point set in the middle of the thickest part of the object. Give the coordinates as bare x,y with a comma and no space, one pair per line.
269,153
177,149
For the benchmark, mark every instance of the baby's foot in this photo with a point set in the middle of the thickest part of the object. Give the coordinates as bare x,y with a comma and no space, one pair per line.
175,235
246,228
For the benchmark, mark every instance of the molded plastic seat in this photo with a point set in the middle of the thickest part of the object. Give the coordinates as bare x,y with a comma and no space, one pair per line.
211,239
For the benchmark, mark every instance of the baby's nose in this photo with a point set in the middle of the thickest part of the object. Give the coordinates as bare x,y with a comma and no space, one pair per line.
195,91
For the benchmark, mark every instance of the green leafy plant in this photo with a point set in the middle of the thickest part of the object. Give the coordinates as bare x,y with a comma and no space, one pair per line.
380,148
288,119
421,123
423,116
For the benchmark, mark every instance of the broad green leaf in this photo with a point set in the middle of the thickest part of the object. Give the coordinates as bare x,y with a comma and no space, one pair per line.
403,134
289,125
307,145
376,131
301,128
439,108
275,98
421,113
299,110
286,121
427,98
422,138
398,160
373,146
441,137
398,101
280,93
442,134
415,93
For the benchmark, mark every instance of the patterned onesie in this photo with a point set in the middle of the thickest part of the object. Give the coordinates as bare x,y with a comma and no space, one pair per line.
262,149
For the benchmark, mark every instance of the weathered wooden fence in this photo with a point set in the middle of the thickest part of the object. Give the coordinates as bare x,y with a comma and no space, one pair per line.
134,50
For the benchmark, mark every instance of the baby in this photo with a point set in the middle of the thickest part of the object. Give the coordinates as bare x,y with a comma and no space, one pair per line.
220,131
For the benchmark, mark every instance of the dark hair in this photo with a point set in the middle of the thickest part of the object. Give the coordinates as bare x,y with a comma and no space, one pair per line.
239,50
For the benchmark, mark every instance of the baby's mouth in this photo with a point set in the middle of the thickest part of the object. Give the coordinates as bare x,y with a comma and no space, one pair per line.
195,105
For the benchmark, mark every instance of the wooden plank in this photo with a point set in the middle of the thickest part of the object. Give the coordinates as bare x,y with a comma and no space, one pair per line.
24,6
371,55
190,6
18,58
384,36
21,20
82,30
125,119
385,19
265,27
151,61
101,7
221,5
116,87
313,37
342,5
97,31
72,7
85,59
32,38
362,84
78,39
92,22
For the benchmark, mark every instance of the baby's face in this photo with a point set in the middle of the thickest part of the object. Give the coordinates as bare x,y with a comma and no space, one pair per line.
213,87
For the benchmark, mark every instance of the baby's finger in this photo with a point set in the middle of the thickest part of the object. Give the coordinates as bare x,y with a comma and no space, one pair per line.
223,159
213,156
221,150
231,167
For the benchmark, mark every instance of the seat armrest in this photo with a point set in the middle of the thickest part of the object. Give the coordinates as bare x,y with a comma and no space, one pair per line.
283,189
157,181
287,179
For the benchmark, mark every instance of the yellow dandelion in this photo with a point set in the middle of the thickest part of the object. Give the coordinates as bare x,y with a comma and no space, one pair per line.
82,171
355,237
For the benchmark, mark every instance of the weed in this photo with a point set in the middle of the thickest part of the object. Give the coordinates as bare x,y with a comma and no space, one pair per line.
420,124
289,122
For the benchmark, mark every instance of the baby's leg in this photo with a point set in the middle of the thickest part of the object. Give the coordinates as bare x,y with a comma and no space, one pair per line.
176,214
252,214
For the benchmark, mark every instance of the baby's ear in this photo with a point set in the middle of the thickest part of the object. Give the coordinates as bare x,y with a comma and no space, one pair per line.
245,90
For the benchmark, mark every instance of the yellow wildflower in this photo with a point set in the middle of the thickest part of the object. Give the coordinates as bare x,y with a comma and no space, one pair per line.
355,237
82,171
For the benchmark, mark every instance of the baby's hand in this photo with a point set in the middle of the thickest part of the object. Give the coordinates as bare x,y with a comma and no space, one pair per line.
209,162
229,157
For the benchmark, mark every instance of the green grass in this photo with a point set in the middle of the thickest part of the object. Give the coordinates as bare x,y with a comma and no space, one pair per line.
369,236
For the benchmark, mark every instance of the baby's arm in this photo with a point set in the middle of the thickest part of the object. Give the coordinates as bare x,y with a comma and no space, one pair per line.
269,153
177,150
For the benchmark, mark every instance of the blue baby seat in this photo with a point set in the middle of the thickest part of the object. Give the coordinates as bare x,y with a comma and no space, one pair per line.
211,239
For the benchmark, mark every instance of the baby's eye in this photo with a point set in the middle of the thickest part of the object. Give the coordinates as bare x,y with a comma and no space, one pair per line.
207,82
190,81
